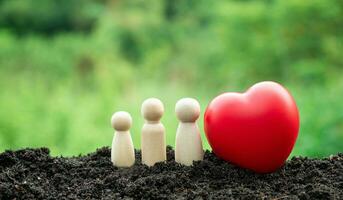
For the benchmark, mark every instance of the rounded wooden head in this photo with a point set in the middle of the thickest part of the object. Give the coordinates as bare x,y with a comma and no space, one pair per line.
152,109
187,110
121,121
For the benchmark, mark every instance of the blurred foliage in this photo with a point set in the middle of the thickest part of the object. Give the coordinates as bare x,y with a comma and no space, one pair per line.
48,16
66,66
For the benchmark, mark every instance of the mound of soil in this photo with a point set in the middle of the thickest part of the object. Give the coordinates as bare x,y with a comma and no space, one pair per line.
34,174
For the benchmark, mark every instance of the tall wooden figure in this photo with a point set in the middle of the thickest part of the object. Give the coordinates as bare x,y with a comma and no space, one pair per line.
188,144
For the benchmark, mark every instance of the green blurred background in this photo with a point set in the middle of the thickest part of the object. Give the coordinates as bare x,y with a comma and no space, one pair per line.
67,65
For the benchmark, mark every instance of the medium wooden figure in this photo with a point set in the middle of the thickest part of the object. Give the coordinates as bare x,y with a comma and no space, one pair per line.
153,141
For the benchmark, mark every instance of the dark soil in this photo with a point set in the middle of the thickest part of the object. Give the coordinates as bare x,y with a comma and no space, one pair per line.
34,174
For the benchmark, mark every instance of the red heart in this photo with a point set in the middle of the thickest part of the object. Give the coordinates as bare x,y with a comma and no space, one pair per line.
256,129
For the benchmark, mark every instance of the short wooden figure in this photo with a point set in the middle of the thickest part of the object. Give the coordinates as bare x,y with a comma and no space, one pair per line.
122,153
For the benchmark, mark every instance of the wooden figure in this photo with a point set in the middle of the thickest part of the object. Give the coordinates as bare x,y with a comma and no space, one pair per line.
188,144
122,153
153,141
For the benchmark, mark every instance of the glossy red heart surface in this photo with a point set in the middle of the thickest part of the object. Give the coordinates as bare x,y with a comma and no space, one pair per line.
256,129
